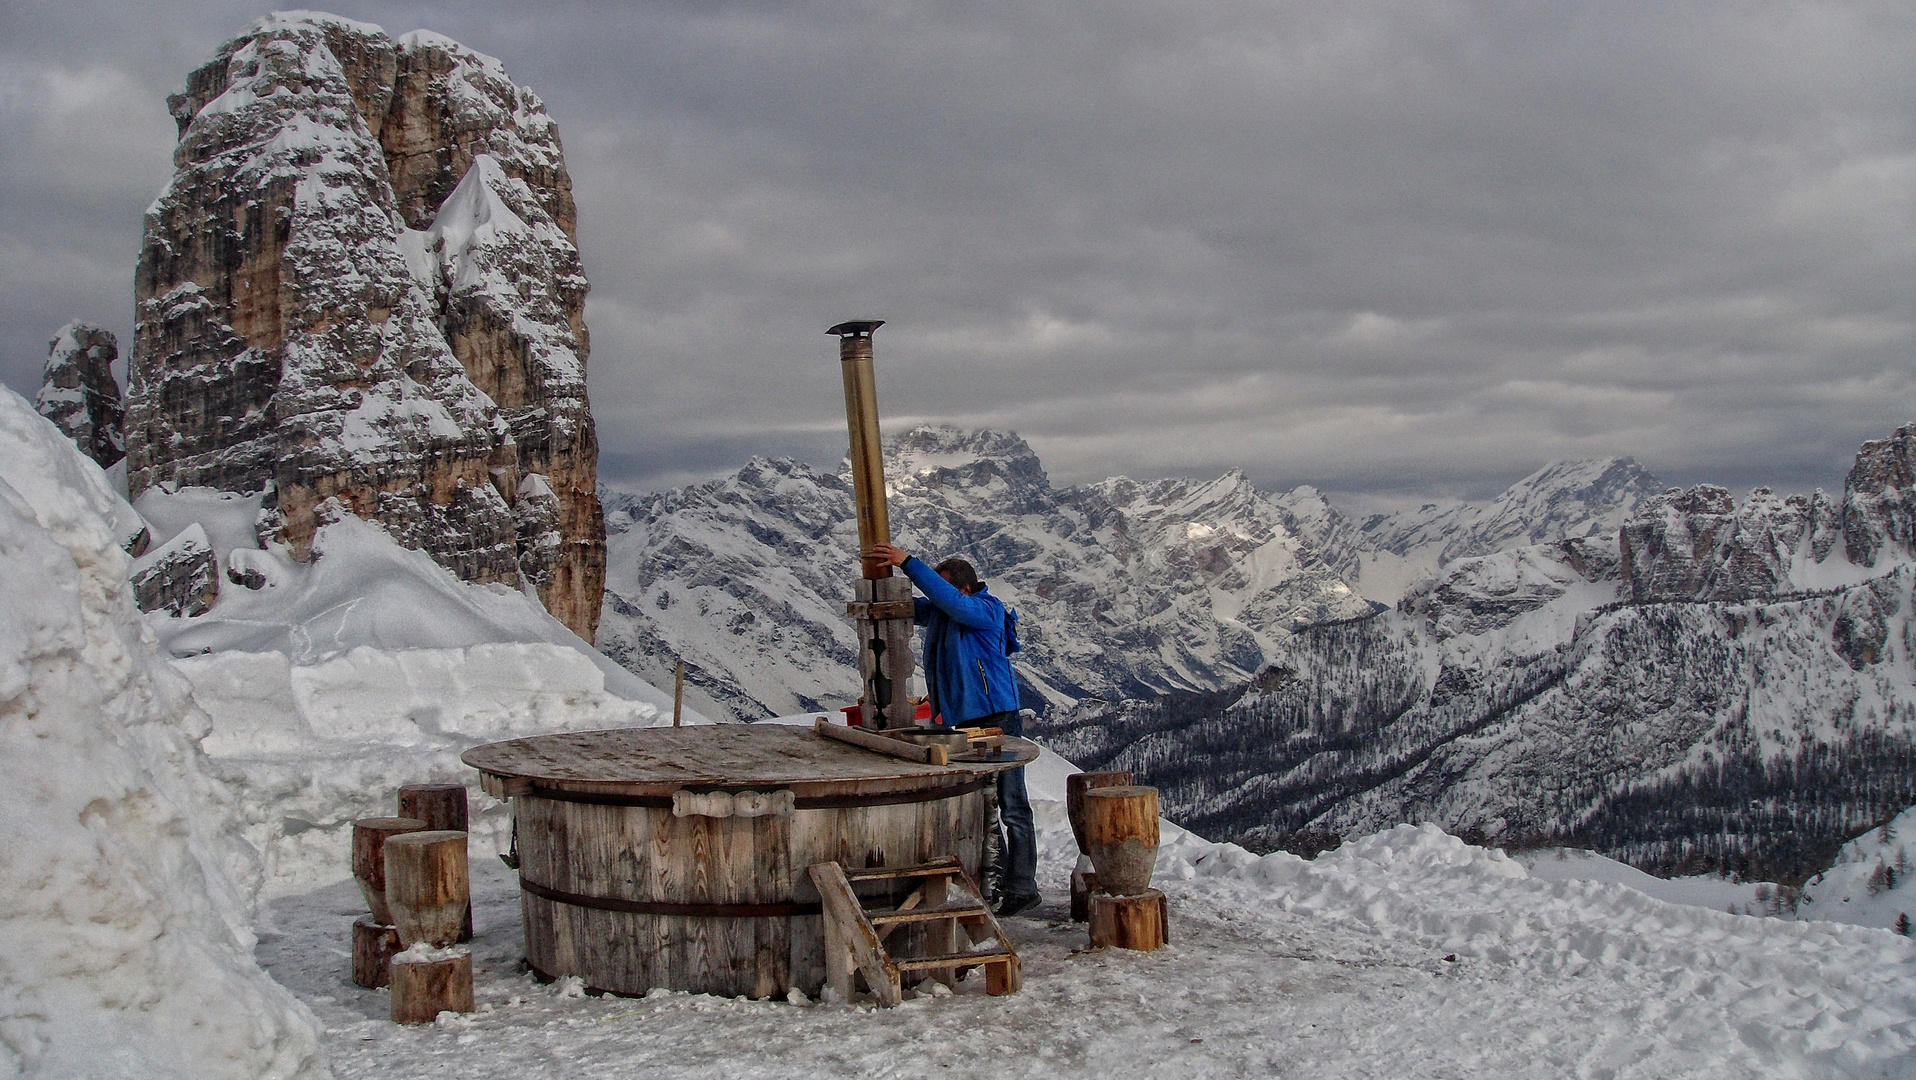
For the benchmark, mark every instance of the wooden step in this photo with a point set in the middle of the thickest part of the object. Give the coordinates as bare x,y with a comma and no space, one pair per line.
854,942
943,911
958,959
936,868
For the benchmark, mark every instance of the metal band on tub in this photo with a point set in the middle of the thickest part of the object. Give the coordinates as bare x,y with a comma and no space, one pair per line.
815,802
659,907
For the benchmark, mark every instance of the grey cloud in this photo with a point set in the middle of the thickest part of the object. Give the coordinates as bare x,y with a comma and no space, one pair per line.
1373,246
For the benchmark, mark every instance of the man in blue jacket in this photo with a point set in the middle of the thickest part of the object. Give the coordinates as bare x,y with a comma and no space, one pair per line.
968,675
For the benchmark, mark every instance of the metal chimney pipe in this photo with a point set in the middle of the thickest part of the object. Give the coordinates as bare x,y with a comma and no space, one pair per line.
867,456
881,602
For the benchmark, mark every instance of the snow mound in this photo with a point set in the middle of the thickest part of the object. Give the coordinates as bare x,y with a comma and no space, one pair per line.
124,947
1730,994
332,683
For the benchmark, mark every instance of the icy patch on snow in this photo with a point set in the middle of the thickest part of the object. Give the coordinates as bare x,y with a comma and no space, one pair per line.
124,941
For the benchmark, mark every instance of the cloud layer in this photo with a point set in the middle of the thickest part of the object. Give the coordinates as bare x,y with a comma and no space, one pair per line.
1379,247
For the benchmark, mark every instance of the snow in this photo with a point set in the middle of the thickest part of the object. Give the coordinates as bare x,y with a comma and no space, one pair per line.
144,817
1869,883
472,217
1404,954
340,680
1703,890
125,939
226,517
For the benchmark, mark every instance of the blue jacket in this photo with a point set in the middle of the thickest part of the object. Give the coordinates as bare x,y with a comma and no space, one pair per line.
967,672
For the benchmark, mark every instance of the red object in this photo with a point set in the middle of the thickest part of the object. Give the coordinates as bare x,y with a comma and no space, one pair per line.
855,714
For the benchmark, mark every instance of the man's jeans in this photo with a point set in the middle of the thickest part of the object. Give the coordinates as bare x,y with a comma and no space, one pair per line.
1018,872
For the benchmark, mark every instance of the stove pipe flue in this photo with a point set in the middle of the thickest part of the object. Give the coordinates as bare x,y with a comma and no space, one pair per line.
867,456
882,602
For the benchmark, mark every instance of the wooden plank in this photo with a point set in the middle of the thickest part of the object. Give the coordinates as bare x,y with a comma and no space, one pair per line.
848,931
926,912
1004,977
661,760
951,960
942,867
942,936
890,921
879,744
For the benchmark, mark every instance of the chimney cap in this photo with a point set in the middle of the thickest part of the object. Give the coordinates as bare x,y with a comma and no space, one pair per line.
856,328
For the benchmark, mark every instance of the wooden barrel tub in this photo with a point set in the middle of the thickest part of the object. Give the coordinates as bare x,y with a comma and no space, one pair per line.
629,879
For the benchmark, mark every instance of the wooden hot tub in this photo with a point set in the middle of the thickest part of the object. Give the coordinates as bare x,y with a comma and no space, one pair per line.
629,880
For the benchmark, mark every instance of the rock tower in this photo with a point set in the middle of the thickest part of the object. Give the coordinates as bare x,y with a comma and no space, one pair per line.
363,285
79,394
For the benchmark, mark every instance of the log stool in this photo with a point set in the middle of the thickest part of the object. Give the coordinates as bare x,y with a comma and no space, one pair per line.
369,858
441,807
1084,879
373,945
426,886
1121,837
1141,922
427,981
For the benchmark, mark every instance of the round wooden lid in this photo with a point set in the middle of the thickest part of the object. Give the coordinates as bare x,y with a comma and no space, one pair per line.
661,760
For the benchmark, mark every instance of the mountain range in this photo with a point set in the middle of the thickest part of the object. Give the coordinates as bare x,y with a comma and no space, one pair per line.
1125,588
1715,686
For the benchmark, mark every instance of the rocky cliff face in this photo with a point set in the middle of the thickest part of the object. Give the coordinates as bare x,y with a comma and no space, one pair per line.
362,285
1879,499
1699,545
79,393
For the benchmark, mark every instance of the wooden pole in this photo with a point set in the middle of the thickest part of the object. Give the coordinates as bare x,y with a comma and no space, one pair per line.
867,455
1121,836
932,754
442,807
427,887
426,983
369,859
678,694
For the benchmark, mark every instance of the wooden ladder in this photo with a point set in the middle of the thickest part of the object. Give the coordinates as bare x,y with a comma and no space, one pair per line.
855,936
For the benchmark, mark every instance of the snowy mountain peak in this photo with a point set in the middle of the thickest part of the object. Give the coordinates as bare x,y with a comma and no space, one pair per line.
1125,586
1563,499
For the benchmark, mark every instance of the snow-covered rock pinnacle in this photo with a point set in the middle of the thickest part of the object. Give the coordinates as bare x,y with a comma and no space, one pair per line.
363,284
79,393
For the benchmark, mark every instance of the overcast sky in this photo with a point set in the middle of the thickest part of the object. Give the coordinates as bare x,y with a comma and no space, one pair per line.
1385,248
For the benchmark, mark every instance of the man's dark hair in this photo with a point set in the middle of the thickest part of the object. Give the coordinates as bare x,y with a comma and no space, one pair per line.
959,573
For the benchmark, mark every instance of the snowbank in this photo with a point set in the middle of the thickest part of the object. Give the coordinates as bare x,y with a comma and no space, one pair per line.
124,941
332,683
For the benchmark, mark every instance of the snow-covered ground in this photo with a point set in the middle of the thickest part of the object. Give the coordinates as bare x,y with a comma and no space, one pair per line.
1405,954
1870,883
148,808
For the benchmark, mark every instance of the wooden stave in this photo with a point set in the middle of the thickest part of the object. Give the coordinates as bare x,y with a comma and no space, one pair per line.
629,953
